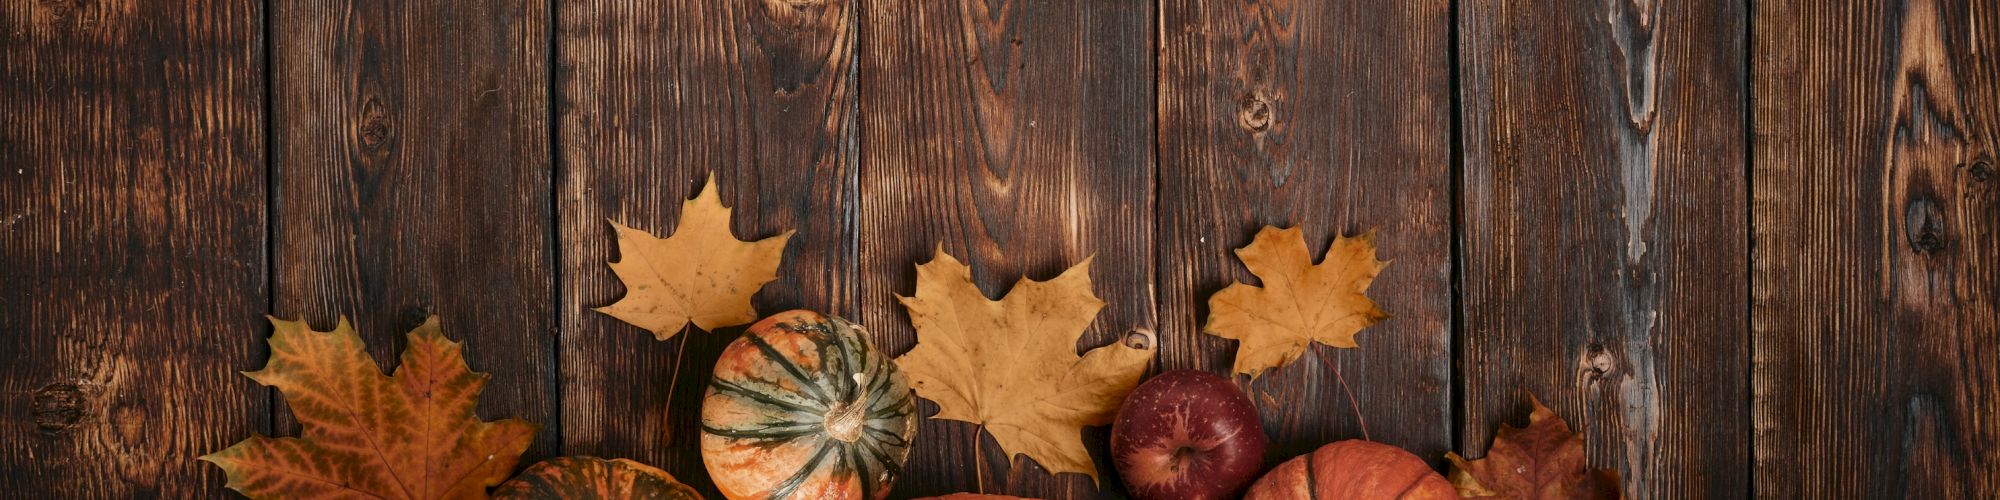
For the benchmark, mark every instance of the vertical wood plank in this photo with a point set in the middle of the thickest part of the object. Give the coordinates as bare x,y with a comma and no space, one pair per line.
655,97
1335,117
1017,136
411,171
1603,238
132,204
1876,210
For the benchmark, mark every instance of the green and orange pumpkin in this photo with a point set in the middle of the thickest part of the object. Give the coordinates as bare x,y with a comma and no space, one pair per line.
801,406
591,478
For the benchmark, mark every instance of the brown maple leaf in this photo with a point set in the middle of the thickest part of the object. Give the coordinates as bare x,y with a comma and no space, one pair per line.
1300,302
700,274
1542,460
1011,365
363,434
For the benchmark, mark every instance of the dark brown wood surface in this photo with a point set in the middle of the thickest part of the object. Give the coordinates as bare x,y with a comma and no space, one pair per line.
1876,208
1743,252
653,99
1334,117
132,271
410,176
1602,228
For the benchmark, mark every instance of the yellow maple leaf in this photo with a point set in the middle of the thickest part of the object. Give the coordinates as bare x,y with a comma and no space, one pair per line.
1011,365
700,274
363,434
1300,302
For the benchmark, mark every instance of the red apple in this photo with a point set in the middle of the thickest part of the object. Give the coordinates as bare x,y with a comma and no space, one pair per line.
1187,434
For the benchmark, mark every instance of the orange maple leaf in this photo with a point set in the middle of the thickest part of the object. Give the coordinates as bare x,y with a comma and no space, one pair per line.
1300,302
363,434
1542,460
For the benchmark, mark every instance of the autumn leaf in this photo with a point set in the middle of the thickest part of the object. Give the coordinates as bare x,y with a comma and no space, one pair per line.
1542,460
1011,365
363,434
1300,302
701,273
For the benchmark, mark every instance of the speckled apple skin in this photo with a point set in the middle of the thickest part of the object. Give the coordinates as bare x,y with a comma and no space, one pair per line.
1187,435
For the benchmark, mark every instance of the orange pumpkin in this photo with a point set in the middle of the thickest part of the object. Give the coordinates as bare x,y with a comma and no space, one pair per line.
1353,469
589,477
801,406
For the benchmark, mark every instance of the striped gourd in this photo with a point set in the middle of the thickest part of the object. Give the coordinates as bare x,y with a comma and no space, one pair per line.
591,478
801,406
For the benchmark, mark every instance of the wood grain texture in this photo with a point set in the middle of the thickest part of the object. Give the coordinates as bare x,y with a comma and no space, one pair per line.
411,166
1603,239
1876,208
1017,136
131,245
1334,117
653,98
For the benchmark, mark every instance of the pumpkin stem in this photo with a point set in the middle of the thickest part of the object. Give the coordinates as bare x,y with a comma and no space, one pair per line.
843,421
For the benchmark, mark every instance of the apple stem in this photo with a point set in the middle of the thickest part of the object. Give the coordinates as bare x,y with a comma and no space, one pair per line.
1344,388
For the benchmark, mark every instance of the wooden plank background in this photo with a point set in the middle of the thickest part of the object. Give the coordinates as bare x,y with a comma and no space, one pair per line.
1748,248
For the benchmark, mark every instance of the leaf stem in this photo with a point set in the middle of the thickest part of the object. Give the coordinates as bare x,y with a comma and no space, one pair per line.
1323,359
979,457
674,377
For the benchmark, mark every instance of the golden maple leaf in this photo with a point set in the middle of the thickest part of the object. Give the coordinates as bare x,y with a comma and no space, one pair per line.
1300,302
1011,365
364,434
701,273
1542,460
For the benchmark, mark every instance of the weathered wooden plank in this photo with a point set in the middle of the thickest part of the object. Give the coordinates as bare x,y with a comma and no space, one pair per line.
411,168
1876,206
653,99
1335,117
132,204
1603,240
1017,136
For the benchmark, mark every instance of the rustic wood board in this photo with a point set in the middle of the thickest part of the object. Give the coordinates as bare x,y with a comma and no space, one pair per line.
1334,117
652,100
1876,210
411,173
1603,240
1568,190
1015,136
132,271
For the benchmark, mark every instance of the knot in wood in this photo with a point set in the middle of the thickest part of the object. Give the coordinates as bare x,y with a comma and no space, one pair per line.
58,407
1255,115
1924,226
1596,364
375,131
1141,339
1982,170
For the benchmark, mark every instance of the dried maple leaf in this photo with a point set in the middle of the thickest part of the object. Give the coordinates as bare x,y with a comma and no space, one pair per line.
364,434
1300,302
1542,460
701,273
1011,365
